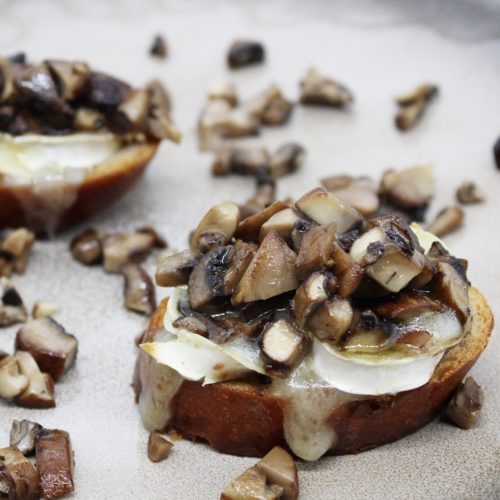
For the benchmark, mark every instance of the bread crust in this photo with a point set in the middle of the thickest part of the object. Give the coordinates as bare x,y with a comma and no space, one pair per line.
100,188
244,418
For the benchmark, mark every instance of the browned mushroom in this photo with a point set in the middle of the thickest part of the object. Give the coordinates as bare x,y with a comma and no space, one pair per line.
71,77
300,228
105,92
406,305
413,339
159,123
287,159
310,294
271,272
12,309
282,343
325,208
264,193
223,90
466,404
318,89
270,106
159,47
158,447
139,289
368,335
469,194
120,248
54,461
331,320
447,220
245,52
12,381
18,243
23,435
40,390
348,272
242,161
251,484
86,247
413,105
18,476
52,347
249,229
191,323
174,269
132,112
243,255
315,250
88,120
282,222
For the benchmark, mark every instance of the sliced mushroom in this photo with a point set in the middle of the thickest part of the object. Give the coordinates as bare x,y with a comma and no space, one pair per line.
282,222
159,123
216,228
287,159
88,120
18,476
224,90
12,381
23,435
241,161
120,248
12,309
174,269
310,294
86,247
406,305
159,47
18,243
40,390
280,470
410,188
249,229
140,293
348,272
71,77
315,250
54,461
282,343
53,349
318,89
158,447
325,208
413,105
331,320
44,309
447,220
243,255
469,194
466,404
271,272
245,52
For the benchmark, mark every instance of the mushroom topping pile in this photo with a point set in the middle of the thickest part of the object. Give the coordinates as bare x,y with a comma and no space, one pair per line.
413,105
316,270
62,97
15,248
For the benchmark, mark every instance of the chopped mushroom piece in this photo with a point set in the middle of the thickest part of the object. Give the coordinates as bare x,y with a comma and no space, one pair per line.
120,248
270,106
243,255
54,461
139,289
18,476
241,161
287,159
300,228
466,403
44,309
71,77
18,243
310,294
216,228
174,269
105,92
245,52
264,193
158,447
159,123
282,343
249,229
447,220
315,250
159,47
52,347
132,112
325,208
349,273
359,193
282,222
12,381
40,390
86,247
367,336
12,309
406,305
318,89
23,435
271,272
251,484
88,120
413,105
224,90
331,320
468,194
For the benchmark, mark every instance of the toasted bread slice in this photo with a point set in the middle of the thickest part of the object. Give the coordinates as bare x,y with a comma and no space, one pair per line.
46,211
242,417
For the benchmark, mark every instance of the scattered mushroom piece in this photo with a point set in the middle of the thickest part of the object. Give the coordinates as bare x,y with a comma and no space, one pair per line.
249,229
12,309
52,347
18,476
310,294
447,220
287,159
270,106
468,194
271,271
159,123
139,289
315,250
244,53
40,390
331,320
44,309
318,89
159,47
158,447
23,435
325,208
174,269
54,461
282,343
282,222
410,188
466,404
12,381
216,228
120,248
413,105
224,90
496,152
241,161
251,484
18,243
86,247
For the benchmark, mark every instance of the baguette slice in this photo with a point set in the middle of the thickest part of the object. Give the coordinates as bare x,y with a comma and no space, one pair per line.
28,206
242,417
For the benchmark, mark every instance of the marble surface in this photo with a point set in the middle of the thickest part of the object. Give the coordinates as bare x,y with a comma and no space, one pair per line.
376,48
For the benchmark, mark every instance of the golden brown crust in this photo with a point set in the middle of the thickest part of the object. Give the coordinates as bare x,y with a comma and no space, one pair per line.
243,418
101,187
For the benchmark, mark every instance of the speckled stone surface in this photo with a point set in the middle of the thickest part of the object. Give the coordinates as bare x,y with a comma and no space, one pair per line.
378,50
